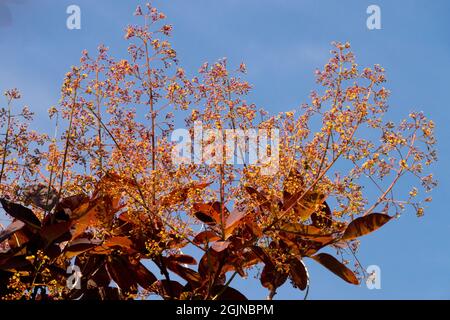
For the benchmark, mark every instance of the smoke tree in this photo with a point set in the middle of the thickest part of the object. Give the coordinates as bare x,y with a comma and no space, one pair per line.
105,194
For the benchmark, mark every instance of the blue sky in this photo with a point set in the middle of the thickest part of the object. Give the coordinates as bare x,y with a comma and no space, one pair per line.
282,42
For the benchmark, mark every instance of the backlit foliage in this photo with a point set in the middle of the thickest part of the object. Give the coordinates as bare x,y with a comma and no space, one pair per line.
105,195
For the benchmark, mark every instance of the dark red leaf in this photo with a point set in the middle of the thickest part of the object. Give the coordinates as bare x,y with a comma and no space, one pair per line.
71,203
299,274
15,263
19,238
21,213
112,293
271,278
261,254
205,237
80,245
208,213
119,270
93,265
322,219
169,289
219,246
53,251
305,245
182,259
13,227
204,218
118,241
339,269
55,231
305,231
88,215
100,275
191,276
209,263
144,277
364,225
228,293
233,221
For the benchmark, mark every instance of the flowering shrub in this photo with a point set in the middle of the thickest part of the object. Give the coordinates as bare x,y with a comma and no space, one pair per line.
107,197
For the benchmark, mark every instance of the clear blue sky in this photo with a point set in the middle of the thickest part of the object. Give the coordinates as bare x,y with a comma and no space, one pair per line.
282,42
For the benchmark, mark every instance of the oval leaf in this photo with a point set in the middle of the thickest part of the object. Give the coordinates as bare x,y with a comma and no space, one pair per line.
119,270
271,278
182,258
219,246
144,277
228,293
169,289
205,237
208,213
233,221
80,245
339,269
53,232
13,227
191,276
118,241
21,213
299,274
15,264
364,225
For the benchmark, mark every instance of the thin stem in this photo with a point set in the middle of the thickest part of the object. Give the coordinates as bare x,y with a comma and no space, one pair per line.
297,198
222,200
99,129
163,269
329,131
153,120
66,148
318,178
52,158
391,186
5,145
307,292
142,202
233,122
225,287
